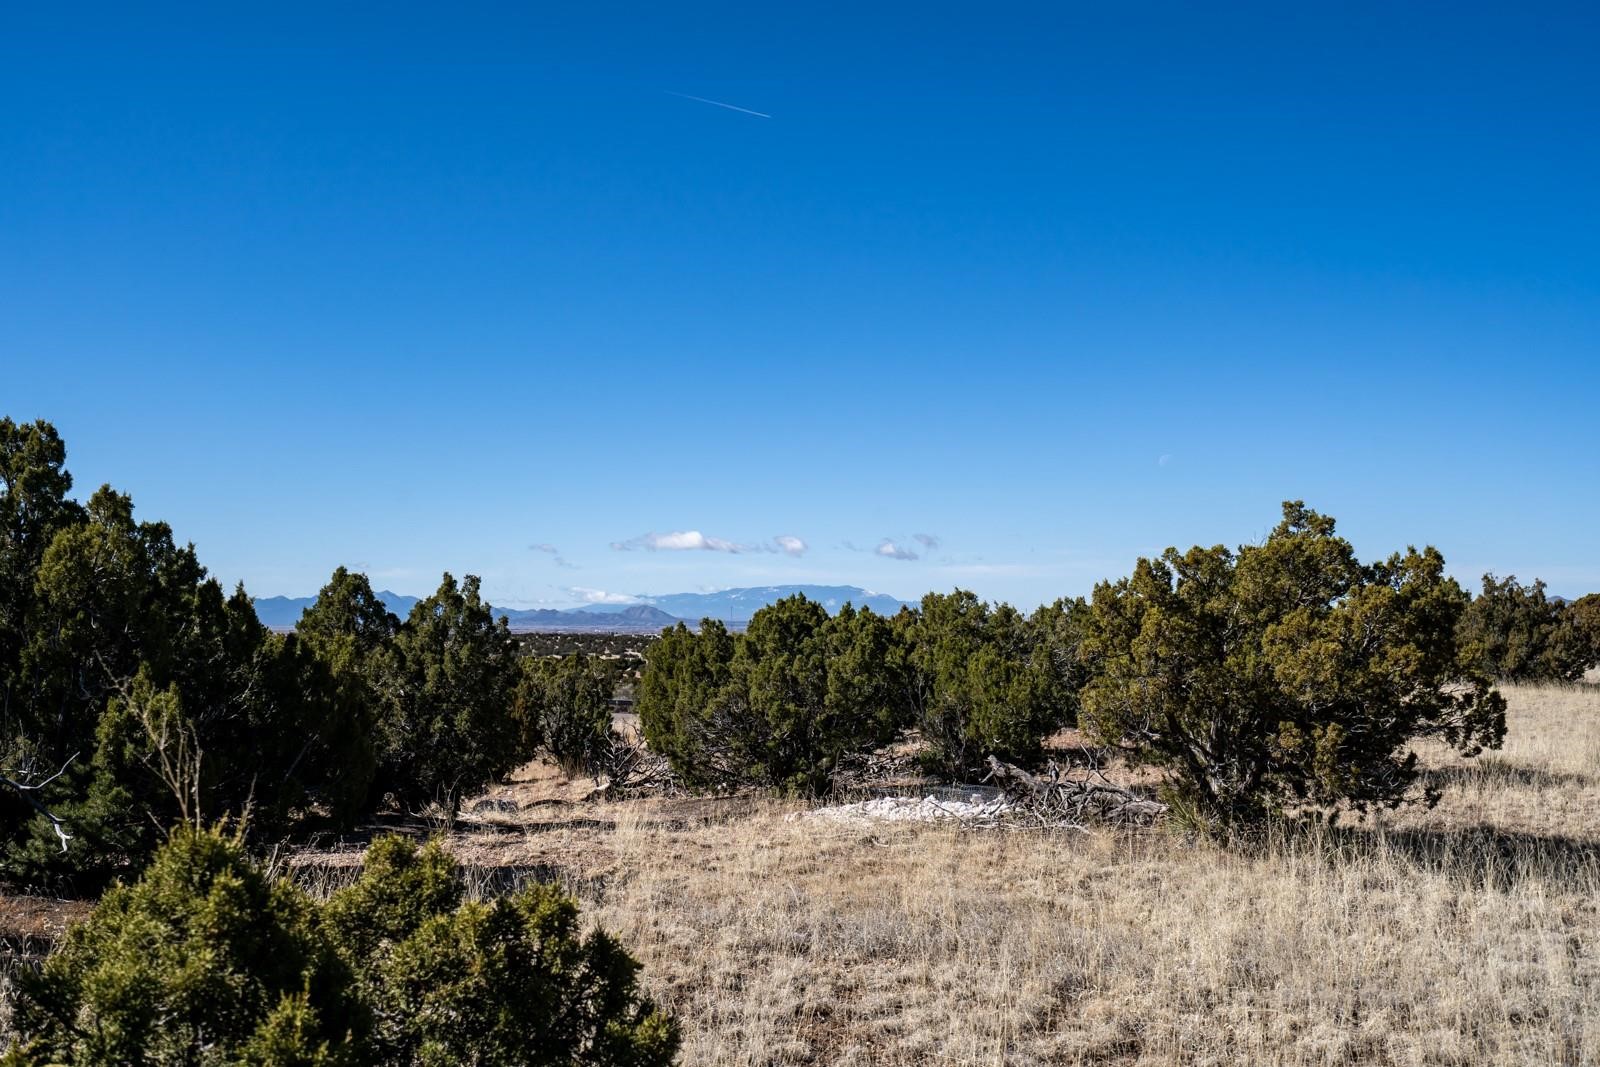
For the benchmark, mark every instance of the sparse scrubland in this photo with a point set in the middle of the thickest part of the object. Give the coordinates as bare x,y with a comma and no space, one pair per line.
1352,845
1468,934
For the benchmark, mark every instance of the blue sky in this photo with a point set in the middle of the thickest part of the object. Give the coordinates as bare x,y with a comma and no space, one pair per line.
425,288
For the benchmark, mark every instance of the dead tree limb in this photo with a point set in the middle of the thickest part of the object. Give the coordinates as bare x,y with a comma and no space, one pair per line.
627,766
26,791
1055,796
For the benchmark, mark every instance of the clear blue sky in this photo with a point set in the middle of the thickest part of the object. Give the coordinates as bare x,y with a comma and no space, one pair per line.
417,288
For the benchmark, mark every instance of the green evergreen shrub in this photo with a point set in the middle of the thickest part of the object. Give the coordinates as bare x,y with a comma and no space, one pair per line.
1287,674
510,982
448,727
204,961
780,704
566,705
1515,632
986,682
201,961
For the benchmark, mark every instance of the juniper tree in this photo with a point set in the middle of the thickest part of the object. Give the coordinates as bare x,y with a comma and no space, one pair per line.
565,706
807,688
116,600
206,961
685,673
200,961
780,704
1287,673
511,982
1583,615
447,727
1515,632
986,682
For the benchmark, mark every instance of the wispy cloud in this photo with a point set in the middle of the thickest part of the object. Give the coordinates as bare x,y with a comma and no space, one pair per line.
555,555
718,103
681,541
695,541
930,542
892,550
600,596
790,545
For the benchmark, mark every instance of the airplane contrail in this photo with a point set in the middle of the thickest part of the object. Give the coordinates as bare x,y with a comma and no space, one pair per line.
718,103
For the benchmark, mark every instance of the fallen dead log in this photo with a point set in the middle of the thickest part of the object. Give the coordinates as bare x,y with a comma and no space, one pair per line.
1088,795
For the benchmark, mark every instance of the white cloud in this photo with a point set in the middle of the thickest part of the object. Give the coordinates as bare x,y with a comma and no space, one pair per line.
681,541
695,541
791,545
600,596
927,541
889,550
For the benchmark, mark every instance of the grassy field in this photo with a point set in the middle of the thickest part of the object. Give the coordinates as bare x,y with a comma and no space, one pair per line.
1465,935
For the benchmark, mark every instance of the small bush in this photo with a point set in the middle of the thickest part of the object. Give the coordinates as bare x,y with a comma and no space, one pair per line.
202,961
511,982
205,961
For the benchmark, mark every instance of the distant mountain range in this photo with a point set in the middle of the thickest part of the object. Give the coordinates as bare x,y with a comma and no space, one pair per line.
737,605
733,606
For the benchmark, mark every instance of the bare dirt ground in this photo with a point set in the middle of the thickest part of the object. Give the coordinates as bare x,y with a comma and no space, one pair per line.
1469,934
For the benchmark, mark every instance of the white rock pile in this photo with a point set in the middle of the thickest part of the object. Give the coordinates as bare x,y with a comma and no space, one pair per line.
909,809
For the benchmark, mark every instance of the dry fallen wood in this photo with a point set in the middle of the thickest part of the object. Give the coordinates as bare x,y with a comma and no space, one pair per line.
627,766
1089,795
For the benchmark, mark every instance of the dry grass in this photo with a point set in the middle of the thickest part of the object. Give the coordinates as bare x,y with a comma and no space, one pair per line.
1465,935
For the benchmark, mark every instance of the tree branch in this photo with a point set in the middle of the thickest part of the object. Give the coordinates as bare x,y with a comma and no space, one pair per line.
26,791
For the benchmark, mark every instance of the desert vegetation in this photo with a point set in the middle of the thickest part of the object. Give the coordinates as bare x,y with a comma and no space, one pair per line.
1461,934
1364,828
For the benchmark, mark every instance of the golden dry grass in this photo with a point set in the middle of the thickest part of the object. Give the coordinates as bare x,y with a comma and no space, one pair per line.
1469,934
1466,935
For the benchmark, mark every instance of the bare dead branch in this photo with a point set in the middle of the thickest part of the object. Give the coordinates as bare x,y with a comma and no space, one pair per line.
1054,796
26,791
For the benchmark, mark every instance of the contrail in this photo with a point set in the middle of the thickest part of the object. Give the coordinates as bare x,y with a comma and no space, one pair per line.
718,103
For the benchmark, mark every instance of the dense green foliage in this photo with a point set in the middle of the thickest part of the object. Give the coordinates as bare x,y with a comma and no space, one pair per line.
1515,632
989,681
125,662
447,727
167,701
565,705
1286,673
779,704
511,982
202,961
205,961
685,673
1583,615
